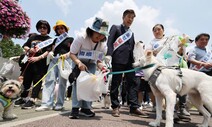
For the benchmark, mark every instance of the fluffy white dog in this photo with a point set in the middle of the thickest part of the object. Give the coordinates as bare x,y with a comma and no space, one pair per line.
196,84
9,90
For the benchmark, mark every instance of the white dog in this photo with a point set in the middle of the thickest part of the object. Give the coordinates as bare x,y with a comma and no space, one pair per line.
196,84
9,91
106,96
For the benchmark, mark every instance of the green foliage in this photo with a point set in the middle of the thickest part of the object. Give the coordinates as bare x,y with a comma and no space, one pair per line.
10,49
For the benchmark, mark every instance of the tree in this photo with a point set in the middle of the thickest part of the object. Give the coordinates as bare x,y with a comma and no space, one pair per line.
10,49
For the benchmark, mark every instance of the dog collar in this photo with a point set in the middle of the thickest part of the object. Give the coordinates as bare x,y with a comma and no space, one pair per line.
6,102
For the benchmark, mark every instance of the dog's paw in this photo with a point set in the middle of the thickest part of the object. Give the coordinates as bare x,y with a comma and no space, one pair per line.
11,116
154,124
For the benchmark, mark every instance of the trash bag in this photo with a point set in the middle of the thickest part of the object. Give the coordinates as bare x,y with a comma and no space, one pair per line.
64,68
88,86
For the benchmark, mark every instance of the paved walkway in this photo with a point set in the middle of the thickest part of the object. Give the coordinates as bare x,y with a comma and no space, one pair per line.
103,118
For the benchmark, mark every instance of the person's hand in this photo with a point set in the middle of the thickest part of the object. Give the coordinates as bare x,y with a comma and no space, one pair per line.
108,59
82,66
32,50
104,70
33,59
206,65
50,55
63,57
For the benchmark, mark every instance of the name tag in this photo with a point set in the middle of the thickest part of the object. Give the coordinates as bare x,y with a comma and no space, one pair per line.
93,55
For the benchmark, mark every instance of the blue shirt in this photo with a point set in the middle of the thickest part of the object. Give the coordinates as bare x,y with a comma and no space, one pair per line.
197,54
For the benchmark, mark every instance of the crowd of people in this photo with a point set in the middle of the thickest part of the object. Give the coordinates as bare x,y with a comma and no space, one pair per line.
118,44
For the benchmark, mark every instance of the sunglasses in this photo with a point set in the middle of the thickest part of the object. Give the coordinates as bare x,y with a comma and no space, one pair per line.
43,27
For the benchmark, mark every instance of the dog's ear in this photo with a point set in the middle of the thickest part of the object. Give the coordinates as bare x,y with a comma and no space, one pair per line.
148,53
187,38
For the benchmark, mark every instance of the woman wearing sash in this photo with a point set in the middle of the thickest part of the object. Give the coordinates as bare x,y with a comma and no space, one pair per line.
156,45
199,57
93,40
35,64
61,45
120,49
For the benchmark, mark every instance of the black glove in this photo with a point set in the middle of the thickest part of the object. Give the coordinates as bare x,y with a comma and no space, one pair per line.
75,73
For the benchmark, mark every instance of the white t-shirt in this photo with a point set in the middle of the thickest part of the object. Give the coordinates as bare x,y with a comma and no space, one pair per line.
83,42
162,52
156,44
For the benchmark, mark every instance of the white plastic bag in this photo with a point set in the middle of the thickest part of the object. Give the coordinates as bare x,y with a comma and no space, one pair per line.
88,86
65,69
103,85
7,68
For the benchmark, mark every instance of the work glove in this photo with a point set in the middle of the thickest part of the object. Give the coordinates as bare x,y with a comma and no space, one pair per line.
50,56
108,59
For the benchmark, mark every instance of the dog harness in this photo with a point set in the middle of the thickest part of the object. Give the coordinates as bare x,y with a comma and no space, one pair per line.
6,102
157,72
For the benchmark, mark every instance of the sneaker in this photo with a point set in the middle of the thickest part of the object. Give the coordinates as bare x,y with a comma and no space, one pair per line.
19,102
87,112
74,113
176,118
115,112
28,105
139,113
150,104
42,108
141,108
184,112
67,99
58,108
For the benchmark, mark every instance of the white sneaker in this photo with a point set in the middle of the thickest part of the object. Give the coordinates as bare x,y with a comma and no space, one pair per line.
141,108
58,108
42,108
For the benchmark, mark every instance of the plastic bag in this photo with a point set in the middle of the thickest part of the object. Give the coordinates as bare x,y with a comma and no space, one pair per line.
64,68
104,85
7,68
88,86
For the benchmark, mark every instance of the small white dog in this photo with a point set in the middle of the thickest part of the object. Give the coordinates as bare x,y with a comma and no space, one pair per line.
196,84
9,90
106,96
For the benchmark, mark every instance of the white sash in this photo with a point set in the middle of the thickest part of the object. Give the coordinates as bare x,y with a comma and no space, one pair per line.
206,58
122,39
44,44
60,39
93,55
